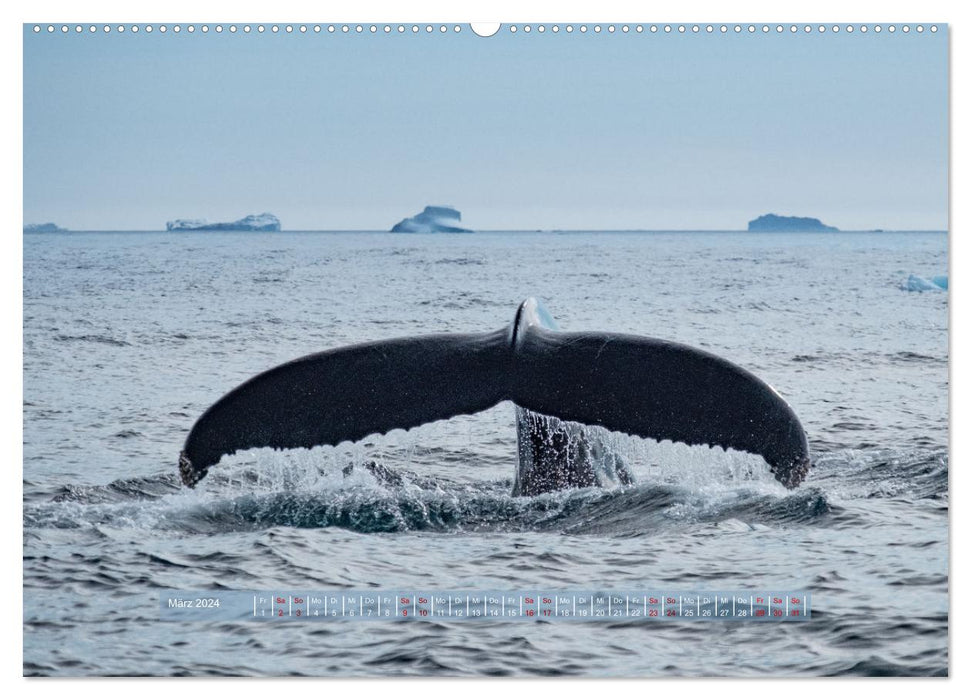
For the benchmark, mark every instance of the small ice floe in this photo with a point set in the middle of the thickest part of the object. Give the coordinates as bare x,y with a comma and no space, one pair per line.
916,283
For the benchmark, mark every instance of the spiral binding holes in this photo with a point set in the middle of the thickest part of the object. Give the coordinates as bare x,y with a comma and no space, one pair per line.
415,29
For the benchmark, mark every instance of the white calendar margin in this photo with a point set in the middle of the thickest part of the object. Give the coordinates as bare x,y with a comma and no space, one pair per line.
708,11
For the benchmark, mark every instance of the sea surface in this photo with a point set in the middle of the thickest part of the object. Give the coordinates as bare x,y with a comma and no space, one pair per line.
128,337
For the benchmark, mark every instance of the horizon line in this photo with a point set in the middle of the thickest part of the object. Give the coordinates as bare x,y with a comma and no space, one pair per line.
498,230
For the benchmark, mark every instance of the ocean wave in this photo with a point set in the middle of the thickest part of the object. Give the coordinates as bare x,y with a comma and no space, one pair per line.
376,499
93,338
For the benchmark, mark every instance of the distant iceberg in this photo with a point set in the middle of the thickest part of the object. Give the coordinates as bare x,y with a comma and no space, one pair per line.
774,222
42,228
253,222
915,283
432,220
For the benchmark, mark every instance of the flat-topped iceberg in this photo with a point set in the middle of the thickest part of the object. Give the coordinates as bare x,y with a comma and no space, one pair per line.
43,228
433,220
253,222
774,222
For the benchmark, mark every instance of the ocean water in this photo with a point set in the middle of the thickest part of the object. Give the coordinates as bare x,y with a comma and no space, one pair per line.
128,337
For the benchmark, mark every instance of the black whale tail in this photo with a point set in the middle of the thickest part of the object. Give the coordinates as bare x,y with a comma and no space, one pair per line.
641,386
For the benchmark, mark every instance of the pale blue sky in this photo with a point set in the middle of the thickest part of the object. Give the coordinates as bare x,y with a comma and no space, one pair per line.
518,131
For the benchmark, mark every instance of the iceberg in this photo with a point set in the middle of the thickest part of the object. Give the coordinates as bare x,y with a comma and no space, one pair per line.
253,222
432,220
774,222
43,228
915,283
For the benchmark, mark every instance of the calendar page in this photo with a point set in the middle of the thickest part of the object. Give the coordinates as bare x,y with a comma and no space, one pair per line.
523,349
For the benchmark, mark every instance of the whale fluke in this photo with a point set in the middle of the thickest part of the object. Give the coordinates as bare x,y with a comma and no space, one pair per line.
641,386
349,393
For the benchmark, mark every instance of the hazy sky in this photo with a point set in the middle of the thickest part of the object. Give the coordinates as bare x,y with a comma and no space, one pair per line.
517,131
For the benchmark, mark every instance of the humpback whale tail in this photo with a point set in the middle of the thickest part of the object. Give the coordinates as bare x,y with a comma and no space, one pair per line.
641,386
